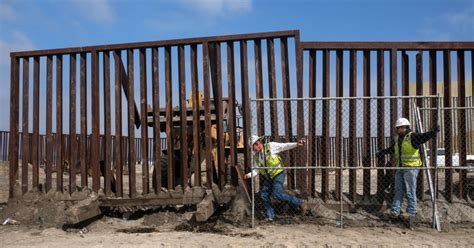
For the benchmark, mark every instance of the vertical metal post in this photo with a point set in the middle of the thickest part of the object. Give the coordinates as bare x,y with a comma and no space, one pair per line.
253,191
341,221
436,225
435,193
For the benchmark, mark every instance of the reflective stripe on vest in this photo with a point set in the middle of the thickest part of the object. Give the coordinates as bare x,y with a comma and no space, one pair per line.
273,163
410,156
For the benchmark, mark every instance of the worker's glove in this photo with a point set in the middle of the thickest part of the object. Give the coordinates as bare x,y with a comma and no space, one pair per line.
436,129
248,175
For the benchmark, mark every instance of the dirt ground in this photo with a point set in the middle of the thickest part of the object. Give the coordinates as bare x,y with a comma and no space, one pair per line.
113,232
169,227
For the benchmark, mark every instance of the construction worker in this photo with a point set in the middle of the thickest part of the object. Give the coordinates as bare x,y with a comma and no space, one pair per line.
406,152
273,173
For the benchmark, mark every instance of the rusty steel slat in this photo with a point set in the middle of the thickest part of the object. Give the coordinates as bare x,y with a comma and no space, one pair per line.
95,102
352,153
118,123
36,102
434,114
215,58
131,121
380,117
196,121
184,124
312,122
169,118
405,82
155,85
272,89
393,89
259,87
83,133
231,114
220,118
419,77
207,113
367,123
325,127
72,154
420,186
245,101
25,125
144,122
163,43
285,75
362,45
302,182
59,123
14,123
339,93
462,123
393,84
107,127
447,125
49,122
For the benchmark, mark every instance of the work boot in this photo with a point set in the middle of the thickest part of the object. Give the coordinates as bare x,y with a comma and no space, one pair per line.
304,207
411,222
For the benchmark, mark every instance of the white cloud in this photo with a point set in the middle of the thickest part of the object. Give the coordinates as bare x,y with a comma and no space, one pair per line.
446,26
219,7
100,11
6,12
18,41
462,21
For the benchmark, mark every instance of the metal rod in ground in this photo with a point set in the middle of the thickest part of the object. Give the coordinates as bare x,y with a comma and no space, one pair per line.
340,98
430,182
341,222
450,108
435,205
253,195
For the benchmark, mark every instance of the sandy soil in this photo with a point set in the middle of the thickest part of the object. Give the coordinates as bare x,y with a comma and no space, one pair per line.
108,233
113,232
176,229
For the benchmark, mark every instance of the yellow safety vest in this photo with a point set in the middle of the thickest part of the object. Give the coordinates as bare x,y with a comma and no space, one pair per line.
409,156
272,162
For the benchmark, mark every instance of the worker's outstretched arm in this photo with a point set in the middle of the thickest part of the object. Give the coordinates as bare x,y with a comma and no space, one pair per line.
420,138
276,147
386,151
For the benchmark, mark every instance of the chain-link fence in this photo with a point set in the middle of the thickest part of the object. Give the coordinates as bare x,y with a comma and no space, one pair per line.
352,167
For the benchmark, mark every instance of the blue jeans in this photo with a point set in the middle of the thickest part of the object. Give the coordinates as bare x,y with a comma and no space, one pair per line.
405,182
275,187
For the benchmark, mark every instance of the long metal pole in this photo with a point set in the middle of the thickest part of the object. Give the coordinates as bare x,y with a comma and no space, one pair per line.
341,223
435,205
253,191
430,182
296,99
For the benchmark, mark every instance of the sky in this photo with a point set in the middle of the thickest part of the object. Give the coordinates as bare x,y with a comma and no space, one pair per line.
45,24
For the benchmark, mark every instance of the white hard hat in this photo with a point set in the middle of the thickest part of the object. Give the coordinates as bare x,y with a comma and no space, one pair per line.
253,139
402,122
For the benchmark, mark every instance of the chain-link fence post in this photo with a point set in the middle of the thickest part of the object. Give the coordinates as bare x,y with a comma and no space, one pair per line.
253,194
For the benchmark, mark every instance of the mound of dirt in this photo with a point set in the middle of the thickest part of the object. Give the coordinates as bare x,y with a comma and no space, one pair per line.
42,212
53,209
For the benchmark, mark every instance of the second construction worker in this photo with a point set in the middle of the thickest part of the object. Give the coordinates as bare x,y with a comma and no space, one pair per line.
272,173
406,153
